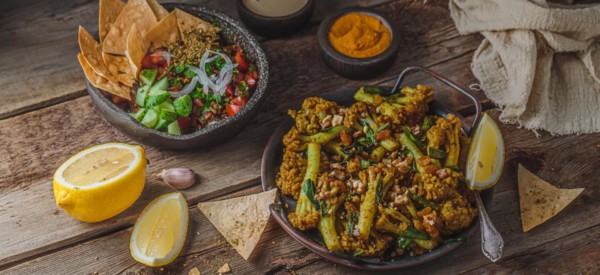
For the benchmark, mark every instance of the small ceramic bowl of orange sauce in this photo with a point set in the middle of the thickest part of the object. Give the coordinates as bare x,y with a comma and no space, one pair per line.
358,43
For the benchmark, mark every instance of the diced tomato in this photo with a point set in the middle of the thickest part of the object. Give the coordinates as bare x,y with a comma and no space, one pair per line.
242,63
184,123
239,101
229,91
232,109
157,59
250,81
147,62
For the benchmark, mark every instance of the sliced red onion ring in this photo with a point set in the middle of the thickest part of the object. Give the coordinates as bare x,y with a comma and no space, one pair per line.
187,89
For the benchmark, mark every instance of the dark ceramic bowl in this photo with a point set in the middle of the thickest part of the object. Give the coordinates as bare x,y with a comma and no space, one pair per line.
232,32
276,26
271,161
357,68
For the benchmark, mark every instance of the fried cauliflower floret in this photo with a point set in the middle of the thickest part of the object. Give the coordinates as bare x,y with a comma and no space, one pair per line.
446,133
375,246
304,221
354,113
455,215
292,142
314,110
408,109
438,134
291,173
435,188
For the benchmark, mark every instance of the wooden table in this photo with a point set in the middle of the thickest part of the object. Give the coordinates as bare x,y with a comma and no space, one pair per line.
46,116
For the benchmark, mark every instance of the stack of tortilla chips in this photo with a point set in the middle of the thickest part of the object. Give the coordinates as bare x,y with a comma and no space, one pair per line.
127,32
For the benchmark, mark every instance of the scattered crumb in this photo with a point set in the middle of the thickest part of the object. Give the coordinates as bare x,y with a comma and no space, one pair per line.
97,258
224,269
198,233
194,271
162,269
273,242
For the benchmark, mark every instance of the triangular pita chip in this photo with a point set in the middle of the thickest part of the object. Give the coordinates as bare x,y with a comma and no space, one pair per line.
119,67
100,82
159,11
240,220
109,11
93,54
135,12
165,32
540,200
186,22
136,49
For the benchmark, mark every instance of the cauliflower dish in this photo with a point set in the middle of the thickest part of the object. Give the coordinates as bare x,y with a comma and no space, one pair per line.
379,178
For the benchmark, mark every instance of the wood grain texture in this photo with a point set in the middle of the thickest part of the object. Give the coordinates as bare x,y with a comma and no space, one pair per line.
572,235
37,142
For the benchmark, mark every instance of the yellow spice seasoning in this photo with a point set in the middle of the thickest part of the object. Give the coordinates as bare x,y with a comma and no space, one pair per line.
359,35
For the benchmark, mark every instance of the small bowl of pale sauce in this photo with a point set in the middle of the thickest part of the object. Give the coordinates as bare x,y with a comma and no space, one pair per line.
358,43
275,18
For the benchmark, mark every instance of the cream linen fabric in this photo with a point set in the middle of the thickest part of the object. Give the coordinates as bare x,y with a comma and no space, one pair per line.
539,62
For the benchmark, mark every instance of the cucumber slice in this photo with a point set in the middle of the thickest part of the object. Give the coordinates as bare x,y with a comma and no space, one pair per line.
160,85
167,105
161,125
183,105
173,128
150,119
168,116
140,114
147,76
157,98
141,95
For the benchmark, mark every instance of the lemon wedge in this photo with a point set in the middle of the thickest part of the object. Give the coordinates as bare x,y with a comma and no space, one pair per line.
160,230
486,155
100,182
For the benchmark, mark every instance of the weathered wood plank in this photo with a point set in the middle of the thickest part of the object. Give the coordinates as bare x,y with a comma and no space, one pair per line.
29,158
38,41
565,236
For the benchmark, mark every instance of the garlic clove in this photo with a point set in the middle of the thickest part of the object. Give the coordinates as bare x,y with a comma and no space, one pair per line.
178,178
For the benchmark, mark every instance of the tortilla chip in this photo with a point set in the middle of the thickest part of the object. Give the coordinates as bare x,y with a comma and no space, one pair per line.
109,11
137,47
186,22
93,54
159,11
135,11
165,32
540,200
240,220
100,82
118,66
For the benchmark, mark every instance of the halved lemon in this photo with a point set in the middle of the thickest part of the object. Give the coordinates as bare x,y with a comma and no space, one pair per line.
160,230
486,155
100,182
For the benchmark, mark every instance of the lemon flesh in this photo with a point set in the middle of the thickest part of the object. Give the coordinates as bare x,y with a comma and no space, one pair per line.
486,155
100,182
160,231
98,166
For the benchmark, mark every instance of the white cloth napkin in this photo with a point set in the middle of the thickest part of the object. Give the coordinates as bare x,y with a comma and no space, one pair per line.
539,62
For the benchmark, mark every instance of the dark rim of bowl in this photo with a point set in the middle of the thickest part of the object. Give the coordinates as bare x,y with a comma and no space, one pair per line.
342,258
307,6
254,100
323,36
